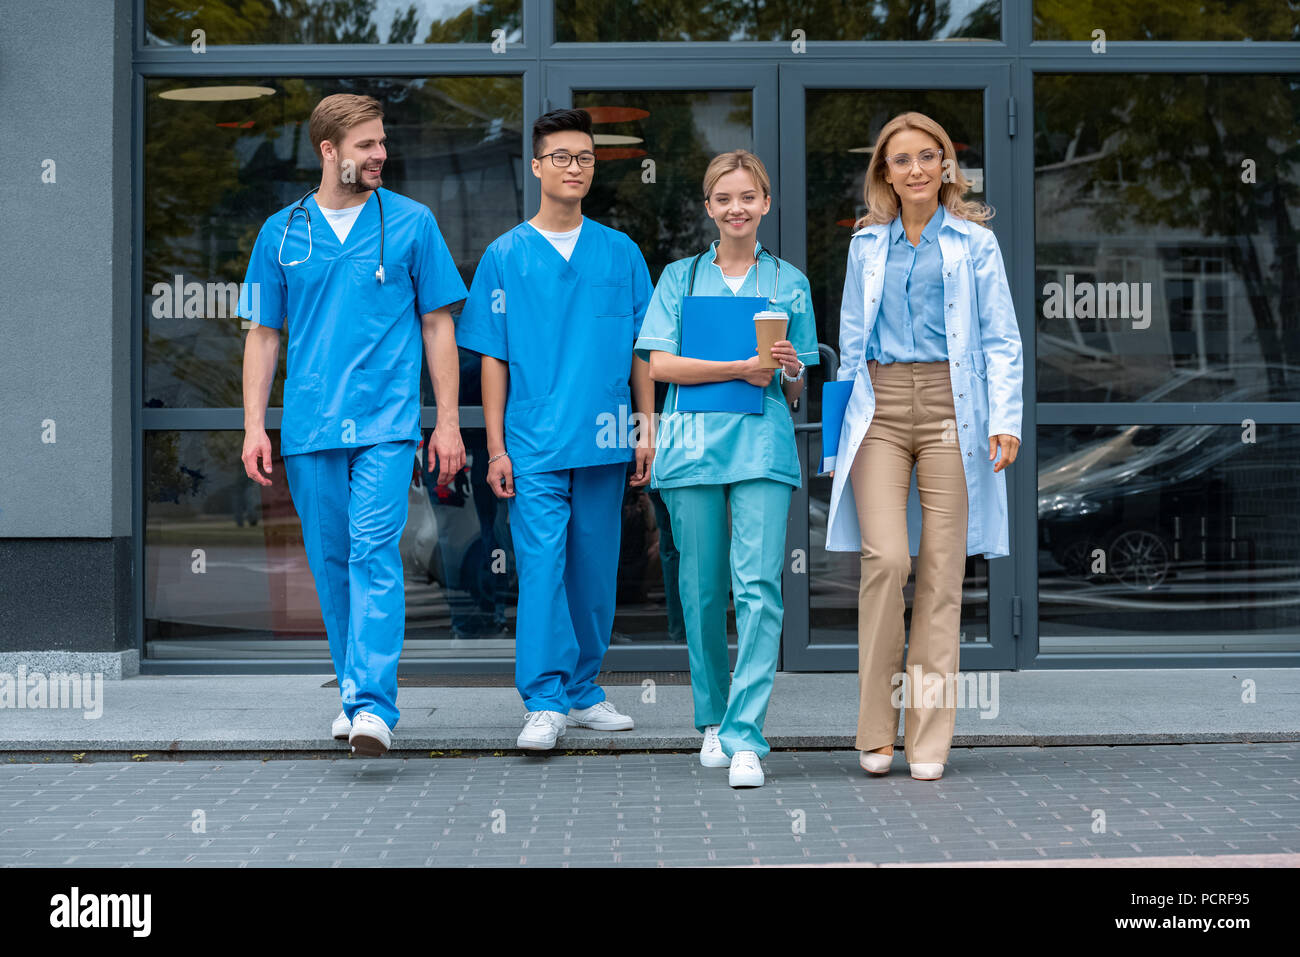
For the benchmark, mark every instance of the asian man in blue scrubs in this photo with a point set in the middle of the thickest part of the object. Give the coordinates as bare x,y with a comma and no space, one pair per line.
554,309
364,280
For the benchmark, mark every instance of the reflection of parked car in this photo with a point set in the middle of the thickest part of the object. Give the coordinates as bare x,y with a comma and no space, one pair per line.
1121,493
1135,501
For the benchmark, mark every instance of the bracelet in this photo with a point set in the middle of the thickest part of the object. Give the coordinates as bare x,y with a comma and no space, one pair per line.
497,456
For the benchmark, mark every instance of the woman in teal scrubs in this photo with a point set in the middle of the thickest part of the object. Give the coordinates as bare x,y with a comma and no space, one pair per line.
727,477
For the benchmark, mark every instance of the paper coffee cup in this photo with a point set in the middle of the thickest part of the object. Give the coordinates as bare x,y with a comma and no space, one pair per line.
769,329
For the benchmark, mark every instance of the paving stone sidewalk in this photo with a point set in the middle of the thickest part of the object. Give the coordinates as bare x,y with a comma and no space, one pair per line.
1005,804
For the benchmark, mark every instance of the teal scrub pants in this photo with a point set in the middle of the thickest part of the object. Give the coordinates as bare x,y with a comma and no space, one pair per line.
352,504
748,556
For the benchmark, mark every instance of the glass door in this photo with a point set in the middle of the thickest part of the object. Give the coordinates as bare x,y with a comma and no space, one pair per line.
830,117
656,130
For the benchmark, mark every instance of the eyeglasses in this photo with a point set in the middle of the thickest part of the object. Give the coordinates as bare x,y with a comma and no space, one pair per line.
902,162
564,159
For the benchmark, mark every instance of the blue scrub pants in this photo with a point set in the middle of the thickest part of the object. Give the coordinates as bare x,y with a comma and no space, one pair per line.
352,504
753,551
566,526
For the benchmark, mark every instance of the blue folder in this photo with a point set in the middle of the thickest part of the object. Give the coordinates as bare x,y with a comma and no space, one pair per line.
835,400
720,328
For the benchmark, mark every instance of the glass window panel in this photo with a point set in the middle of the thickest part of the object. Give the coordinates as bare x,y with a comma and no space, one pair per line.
248,592
652,148
1167,20
1168,538
649,609
225,22
841,129
255,596
842,126
642,21
215,170
1167,210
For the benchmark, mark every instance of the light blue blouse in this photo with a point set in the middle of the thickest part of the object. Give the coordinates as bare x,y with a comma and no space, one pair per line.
911,325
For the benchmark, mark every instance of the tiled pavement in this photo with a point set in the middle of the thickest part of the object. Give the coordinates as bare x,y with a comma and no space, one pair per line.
1010,804
256,716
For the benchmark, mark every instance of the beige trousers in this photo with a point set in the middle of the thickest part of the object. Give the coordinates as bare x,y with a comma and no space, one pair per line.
914,423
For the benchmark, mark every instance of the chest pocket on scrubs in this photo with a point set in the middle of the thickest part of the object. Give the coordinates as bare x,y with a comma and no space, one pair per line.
611,298
381,306
394,296
300,279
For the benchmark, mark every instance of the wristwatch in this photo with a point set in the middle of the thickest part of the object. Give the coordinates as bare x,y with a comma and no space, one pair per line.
796,378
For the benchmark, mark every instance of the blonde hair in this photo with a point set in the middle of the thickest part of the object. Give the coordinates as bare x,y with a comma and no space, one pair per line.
729,162
882,201
337,114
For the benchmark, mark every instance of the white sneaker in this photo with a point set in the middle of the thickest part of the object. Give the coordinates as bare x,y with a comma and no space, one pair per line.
746,772
341,727
370,736
711,753
541,728
601,716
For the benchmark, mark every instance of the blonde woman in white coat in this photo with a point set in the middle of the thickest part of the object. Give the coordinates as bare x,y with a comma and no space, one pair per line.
928,336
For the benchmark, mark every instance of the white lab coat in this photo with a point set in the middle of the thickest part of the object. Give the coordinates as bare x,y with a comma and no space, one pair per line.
985,365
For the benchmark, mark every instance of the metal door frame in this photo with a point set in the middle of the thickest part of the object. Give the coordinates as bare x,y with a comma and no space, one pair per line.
993,78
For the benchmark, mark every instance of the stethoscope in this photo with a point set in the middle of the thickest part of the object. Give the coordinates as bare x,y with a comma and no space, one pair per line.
379,273
713,247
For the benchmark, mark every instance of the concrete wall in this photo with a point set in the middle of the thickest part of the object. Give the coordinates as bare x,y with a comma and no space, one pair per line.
65,310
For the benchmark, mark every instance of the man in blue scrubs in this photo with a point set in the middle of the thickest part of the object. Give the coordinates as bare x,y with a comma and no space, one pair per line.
554,309
363,278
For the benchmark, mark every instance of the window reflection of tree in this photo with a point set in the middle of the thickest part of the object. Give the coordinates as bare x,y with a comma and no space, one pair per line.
602,21
666,218
214,171
1210,20
227,22
1181,141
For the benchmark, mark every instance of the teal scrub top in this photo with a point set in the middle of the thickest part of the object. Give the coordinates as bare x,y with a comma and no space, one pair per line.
566,329
352,372
719,448
911,326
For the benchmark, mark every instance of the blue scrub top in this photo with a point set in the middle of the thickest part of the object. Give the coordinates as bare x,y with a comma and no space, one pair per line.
719,448
352,373
566,329
911,326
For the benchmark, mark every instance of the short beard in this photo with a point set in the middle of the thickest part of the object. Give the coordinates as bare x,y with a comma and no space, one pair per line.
357,186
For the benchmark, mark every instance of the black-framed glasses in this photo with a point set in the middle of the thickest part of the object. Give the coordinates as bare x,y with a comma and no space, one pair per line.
902,162
563,158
